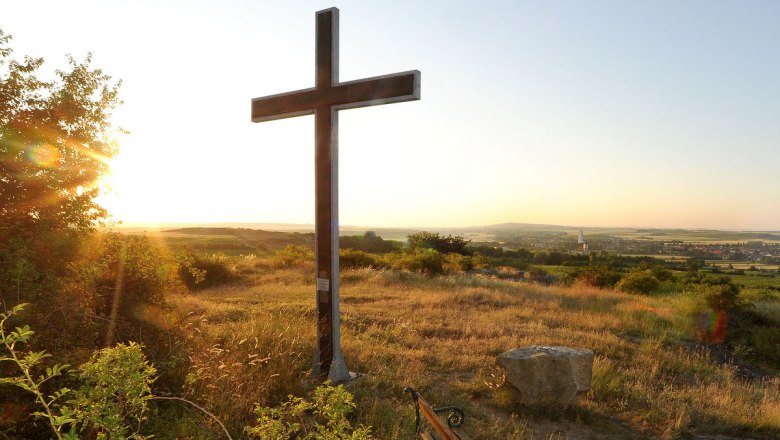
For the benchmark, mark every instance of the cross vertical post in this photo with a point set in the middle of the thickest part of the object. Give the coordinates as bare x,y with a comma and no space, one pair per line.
324,101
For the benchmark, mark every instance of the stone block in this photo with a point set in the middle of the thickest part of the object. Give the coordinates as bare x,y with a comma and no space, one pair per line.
548,376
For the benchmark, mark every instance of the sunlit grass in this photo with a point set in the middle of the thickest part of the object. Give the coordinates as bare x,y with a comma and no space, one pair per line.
254,343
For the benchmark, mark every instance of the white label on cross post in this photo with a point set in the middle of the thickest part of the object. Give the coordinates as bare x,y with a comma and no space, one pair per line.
323,284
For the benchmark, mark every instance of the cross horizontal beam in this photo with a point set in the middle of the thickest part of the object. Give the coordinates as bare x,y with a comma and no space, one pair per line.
385,89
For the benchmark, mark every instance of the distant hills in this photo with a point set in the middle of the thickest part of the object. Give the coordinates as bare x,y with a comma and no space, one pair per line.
497,232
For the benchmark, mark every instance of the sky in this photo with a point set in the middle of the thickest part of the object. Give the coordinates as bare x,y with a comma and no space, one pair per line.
584,113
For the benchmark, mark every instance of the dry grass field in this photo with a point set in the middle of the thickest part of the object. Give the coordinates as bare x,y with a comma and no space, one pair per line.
254,342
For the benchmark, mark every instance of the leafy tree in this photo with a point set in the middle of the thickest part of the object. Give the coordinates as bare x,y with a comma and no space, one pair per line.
439,243
55,137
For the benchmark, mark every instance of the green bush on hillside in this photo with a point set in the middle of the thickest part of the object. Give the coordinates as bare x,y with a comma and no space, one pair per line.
200,272
721,294
113,399
600,275
369,242
293,255
112,279
456,263
638,281
324,417
354,259
427,261
439,243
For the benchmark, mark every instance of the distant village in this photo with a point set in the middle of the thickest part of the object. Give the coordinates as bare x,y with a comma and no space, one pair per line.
748,251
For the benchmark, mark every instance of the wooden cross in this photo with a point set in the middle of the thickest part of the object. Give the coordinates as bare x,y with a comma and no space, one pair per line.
324,100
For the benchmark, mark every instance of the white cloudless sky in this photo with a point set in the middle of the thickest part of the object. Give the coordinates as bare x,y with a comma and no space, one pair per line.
592,113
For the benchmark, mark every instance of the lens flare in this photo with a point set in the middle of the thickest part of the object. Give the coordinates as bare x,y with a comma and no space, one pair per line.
43,155
714,325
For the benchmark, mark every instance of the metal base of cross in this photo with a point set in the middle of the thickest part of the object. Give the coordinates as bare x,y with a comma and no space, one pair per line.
339,373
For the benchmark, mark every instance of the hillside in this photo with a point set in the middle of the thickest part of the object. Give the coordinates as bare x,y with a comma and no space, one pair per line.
441,335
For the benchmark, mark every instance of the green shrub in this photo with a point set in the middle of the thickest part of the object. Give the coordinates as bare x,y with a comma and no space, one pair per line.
111,401
369,242
325,417
638,281
600,275
721,294
439,243
25,378
351,258
424,260
114,279
113,398
662,274
293,255
201,272
456,263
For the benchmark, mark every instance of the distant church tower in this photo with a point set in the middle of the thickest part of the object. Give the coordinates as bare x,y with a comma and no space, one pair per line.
582,245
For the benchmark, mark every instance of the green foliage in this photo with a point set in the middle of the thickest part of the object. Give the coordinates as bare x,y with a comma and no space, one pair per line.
721,294
113,279
600,275
662,274
54,139
456,263
201,272
27,380
351,258
110,403
322,418
439,243
549,258
113,400
423,260
293,255
638,281
368,242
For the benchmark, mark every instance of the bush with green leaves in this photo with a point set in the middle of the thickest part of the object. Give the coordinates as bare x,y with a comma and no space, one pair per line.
26,366
438,242
638,281
116,387
111,401
424,260
108,287
324,417
456,263
721,294
600,275
204,271
354,259
369,242
293,255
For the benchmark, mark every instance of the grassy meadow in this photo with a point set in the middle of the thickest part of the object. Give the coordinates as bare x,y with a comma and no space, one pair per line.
253,342
227,318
